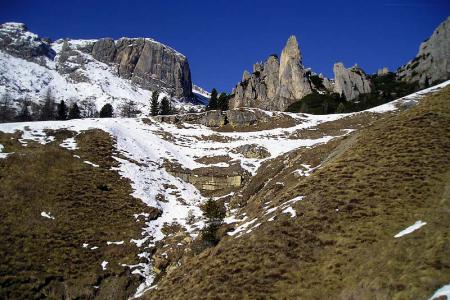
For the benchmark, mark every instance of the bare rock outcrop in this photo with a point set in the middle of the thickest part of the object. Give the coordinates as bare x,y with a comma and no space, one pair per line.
432,63
274,84
350,82
15,39
148,63
294,84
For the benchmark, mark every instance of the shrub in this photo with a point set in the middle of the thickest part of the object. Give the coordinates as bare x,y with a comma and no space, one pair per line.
214,213
213,104
315,103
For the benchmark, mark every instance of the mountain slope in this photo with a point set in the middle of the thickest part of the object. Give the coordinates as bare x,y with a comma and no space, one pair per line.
143,182
81,71
331,234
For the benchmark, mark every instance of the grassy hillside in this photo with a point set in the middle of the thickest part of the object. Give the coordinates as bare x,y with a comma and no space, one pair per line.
340,244
45,258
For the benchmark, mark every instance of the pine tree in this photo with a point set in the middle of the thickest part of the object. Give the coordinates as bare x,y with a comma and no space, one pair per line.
154,104
214,212
48,109
106,111
74,112
62,111
129,109
24,115
213,100
222,102
165,106
6,109
341,108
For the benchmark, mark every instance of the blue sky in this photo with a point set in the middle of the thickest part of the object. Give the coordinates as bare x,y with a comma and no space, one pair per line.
222,38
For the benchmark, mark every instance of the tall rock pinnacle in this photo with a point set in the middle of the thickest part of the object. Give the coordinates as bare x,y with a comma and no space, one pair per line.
292,77
274,84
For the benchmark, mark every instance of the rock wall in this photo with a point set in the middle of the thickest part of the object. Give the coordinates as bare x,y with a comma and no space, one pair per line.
210,179
432,63
148,63
237,119
350,82
275,84
294,83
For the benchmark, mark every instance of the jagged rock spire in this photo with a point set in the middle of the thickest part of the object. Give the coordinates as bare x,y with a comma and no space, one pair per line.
294,84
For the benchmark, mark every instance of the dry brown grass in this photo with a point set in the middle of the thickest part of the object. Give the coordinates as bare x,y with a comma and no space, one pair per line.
341,243
43,258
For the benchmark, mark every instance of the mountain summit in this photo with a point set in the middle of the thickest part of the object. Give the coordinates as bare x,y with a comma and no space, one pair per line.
91,72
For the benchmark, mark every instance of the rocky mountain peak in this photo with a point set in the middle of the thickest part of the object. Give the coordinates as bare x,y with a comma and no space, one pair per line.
13,27
110,71
292,50
432,63
276,83
15,39
294,83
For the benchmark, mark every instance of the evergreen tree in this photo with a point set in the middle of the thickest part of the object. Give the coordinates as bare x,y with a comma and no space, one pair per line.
222,102
6,109
341,108
214,212
154,104
24,115
129,109
106,111
165,106
213,100
62,111
74,112
48,109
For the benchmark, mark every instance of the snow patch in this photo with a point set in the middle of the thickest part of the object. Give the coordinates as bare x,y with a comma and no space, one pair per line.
69,143
91,163
104,264
290,210
3,155
443,291
115,243
410,229
47,215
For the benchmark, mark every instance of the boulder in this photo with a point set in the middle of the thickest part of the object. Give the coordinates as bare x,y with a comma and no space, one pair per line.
213,118
252,151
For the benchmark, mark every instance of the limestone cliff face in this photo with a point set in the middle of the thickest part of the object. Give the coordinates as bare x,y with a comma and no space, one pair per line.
293,81
148,63
258,89
350,82
432,63
275,84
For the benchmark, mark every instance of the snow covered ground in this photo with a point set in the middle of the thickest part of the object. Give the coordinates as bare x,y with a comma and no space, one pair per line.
97,83
145,146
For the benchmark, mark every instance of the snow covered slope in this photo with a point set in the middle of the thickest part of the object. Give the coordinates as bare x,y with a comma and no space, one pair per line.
70,74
